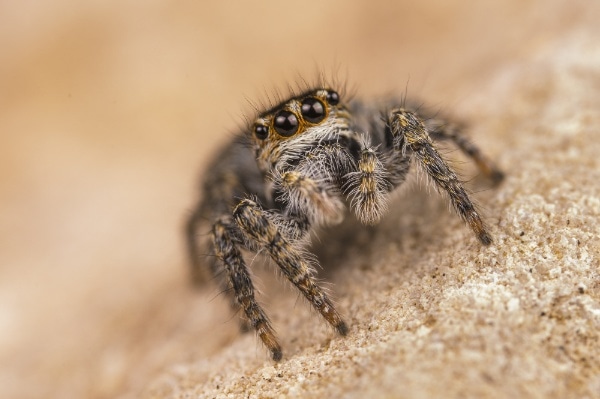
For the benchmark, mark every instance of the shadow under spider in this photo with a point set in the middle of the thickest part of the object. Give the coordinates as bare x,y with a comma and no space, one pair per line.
416,222
336,246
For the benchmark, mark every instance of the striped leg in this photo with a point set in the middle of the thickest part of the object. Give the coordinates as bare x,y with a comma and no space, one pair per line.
231,258
259,228
409,134
439,130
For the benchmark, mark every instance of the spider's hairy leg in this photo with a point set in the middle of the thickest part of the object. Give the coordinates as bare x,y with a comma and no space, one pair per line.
440,130
231,258
223,278
192,226
367,187
409,133
253,220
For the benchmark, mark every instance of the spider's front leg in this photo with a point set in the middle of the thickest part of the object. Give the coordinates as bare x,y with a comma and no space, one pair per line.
260,228
410,135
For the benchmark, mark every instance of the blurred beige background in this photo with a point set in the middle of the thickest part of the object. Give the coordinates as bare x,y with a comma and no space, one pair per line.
110,110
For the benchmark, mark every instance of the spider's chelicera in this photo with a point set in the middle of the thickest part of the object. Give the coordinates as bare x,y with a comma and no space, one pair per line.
298,166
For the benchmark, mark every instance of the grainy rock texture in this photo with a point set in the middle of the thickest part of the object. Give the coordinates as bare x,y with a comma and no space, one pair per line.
107,113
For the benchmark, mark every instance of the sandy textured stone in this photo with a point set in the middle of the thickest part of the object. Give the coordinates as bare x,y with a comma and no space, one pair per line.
108,113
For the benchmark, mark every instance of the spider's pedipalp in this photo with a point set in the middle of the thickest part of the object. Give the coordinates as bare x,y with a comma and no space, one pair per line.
367,188
317,198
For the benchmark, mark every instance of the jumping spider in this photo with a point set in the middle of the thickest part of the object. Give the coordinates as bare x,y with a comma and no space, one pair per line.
298,166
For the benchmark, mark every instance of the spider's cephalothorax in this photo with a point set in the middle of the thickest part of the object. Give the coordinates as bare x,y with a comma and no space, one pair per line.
299,165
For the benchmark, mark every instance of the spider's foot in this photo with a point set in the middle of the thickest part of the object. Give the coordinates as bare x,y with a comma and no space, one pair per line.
342,328
276,354
496,177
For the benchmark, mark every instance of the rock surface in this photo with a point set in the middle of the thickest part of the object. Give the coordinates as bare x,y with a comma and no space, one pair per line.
108,113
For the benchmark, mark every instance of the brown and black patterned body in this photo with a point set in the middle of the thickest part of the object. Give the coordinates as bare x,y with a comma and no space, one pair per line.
300,165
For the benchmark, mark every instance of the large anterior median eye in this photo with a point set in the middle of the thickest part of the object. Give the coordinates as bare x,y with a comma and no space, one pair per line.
313,110
285,123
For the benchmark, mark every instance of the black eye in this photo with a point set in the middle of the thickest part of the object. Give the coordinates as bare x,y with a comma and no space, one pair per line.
285,123
313,110
333,98
261,132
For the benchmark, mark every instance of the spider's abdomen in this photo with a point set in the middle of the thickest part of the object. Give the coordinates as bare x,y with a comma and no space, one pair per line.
231,176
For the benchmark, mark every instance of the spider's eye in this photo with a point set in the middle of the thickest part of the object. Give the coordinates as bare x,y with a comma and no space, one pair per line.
332,97
261,132
285,123
313,110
